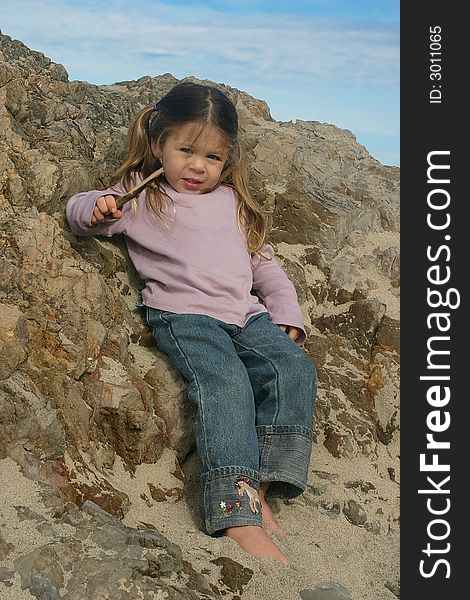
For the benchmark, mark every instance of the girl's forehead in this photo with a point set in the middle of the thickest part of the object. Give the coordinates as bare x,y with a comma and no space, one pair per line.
203,134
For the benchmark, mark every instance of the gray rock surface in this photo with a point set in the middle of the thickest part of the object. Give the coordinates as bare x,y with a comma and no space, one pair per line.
82,386
326,590
103,558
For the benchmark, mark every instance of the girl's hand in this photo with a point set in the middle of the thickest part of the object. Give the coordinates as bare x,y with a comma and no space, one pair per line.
293,332
105,205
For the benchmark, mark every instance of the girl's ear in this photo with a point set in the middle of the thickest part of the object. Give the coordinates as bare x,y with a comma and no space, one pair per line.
156,149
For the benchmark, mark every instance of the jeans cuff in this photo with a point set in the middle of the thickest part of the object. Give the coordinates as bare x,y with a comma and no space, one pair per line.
231,498
285,453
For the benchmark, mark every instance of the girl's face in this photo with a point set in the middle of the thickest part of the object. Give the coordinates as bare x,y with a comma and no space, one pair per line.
193,158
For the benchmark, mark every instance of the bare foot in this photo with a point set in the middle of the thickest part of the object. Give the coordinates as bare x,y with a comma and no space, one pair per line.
255,541
270,525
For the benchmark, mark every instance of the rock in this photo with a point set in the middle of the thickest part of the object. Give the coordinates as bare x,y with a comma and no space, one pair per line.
388,334
364,486
359,325
101,556
6,576
373,527
317,348
100,515
326,590
41,571
197,581
38,585
325,475
339,443
327,194
333,509
233,574
162,495
354,512
5,548
394,587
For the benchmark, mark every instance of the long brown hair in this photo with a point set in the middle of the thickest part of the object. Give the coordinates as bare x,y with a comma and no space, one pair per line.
191,102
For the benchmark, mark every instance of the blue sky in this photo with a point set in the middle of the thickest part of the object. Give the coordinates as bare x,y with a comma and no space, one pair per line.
333,61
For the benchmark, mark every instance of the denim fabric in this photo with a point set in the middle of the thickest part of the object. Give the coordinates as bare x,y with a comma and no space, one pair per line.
254,390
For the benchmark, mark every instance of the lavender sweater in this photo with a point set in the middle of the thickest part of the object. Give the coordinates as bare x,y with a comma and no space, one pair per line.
195,260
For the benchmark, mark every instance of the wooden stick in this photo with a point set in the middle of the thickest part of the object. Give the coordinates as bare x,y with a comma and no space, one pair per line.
121,200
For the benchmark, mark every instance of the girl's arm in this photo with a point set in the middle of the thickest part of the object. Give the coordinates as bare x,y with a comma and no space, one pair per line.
277,292
92,213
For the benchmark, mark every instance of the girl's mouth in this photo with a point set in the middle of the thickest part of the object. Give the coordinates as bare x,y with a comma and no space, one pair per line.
191,183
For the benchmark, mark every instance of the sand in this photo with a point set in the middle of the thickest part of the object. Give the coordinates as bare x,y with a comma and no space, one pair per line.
320,544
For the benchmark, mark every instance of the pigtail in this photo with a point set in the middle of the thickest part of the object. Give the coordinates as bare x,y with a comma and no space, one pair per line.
138,149
141,160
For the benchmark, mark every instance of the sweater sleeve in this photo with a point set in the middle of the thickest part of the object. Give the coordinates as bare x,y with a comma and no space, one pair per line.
277,292
79,211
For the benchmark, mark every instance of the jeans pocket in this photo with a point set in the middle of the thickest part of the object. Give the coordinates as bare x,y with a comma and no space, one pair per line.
154,315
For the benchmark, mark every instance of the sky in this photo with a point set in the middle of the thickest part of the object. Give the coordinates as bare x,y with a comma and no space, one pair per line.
333,61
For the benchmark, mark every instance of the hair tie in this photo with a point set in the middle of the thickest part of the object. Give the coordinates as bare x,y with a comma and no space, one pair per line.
154,106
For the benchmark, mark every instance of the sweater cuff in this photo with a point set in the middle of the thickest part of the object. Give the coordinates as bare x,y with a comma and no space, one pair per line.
291,321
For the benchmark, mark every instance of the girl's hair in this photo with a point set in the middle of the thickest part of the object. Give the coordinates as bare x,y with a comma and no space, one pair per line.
189,102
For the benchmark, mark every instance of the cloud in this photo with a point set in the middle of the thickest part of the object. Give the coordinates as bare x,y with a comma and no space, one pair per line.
342,71
274,47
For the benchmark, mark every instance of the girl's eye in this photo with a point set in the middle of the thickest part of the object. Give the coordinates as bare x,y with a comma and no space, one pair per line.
214,157
187,150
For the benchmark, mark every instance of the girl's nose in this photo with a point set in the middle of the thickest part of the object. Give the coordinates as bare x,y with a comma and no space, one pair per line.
197,163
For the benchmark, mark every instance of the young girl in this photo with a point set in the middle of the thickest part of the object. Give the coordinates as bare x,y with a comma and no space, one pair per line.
218,305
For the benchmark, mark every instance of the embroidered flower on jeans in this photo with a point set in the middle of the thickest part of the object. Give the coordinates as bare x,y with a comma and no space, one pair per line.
227,511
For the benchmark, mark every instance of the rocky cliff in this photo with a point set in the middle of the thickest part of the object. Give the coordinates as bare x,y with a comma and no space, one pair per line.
90,412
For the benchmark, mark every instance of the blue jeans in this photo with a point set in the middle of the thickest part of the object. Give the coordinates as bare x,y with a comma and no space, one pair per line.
254,390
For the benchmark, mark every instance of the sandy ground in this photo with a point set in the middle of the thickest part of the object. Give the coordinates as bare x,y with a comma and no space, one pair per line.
320,547
321,544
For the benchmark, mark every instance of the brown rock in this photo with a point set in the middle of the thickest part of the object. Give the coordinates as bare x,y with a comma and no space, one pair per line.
5,548
233,574
339,443
388,334
354,512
